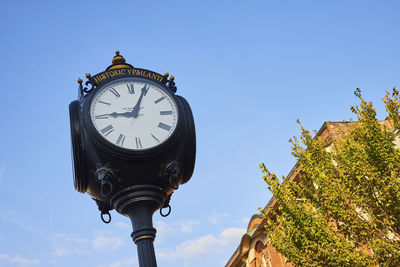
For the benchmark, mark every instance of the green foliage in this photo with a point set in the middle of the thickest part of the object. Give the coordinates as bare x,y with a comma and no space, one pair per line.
344,210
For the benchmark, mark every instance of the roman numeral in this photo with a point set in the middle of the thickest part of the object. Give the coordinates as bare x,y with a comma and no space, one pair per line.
138,142
131,89
120,140
164,126
107,130
159,100
155,138
105,103
112,90
104,116
169,112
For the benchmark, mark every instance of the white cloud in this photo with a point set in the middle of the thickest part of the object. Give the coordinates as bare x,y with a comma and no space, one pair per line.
24,262
165,229
216,217
71,238
165,255
18,219
231,236
65,245
4,256
186,227
62,251
123,225
18,260
121,263
102,241
203,247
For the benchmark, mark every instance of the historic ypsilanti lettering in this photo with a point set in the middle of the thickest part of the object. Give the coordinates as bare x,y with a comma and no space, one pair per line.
101,77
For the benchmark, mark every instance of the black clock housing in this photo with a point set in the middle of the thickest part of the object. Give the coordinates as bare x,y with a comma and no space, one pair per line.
102,169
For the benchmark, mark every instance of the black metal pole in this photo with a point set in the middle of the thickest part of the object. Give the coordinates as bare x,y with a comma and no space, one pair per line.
139,203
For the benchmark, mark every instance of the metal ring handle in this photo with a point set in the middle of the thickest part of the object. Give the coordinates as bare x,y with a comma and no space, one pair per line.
102,216
169,211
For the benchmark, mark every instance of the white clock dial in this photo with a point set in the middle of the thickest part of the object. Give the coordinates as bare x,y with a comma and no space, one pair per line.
134,113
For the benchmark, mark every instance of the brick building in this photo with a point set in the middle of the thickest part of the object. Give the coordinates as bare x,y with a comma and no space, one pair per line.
254,249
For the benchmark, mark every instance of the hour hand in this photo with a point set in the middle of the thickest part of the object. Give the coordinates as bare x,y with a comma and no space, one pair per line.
115,114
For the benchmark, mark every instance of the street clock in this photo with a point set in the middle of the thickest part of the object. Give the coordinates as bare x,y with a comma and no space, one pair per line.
133,143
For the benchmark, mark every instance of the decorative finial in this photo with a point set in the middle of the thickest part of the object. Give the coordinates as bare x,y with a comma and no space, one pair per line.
166,74
172,78
88,75
80,80
118,61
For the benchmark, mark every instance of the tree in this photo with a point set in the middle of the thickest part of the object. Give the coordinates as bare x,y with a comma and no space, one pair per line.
345,208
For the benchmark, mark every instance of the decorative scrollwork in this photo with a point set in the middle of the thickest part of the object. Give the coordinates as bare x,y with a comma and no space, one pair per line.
169,83
171,173
86,89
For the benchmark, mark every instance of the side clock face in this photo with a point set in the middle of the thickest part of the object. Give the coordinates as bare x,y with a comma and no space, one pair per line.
134,113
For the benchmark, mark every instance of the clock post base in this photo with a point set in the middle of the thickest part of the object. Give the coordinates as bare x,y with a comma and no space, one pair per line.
139,203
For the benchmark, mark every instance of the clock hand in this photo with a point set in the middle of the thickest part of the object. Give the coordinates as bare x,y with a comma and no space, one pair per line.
115,114
124,114
136,108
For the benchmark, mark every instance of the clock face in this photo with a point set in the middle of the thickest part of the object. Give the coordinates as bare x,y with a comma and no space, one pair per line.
134,113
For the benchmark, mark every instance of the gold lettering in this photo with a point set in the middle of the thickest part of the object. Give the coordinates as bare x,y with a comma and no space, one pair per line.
122,72
97,79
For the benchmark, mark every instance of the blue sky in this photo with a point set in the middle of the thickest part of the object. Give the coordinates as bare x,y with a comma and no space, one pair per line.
248,69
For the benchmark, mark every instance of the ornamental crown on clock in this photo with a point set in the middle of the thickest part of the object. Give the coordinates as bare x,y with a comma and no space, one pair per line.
134,113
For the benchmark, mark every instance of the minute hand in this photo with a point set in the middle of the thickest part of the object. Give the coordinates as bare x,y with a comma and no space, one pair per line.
136,108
